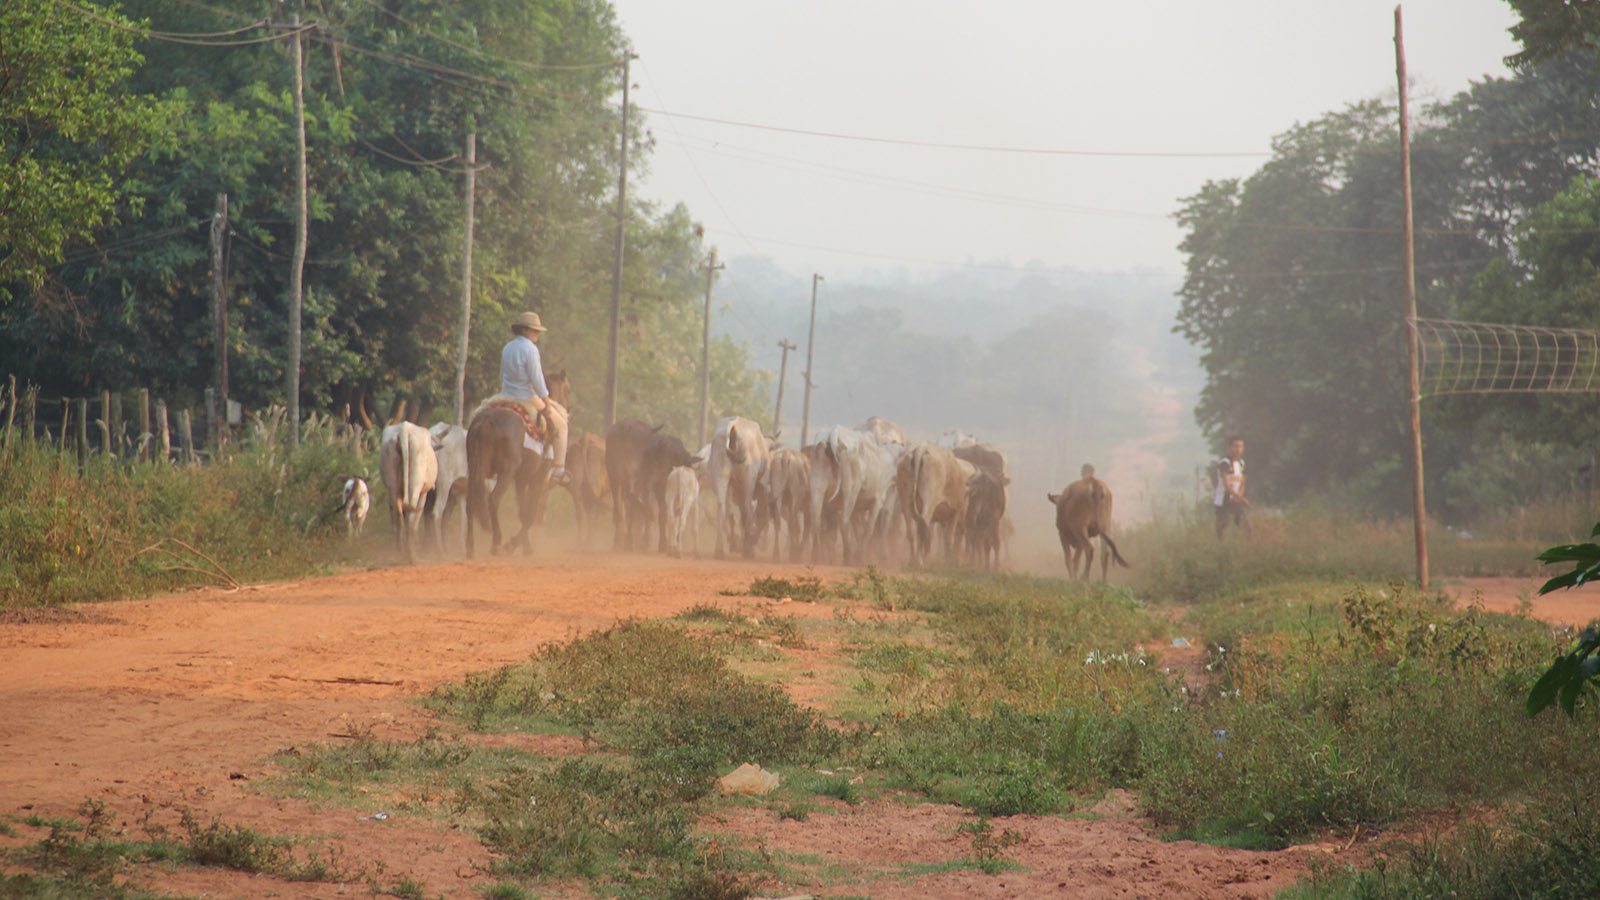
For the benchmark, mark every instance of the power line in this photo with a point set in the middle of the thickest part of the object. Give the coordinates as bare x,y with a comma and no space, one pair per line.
532,67
199,39
985,148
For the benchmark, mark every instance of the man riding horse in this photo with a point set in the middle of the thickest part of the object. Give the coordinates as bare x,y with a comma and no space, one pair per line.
522,384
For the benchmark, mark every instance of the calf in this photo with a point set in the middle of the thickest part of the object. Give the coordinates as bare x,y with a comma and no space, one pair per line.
357,500
410,473
1083,512
682,496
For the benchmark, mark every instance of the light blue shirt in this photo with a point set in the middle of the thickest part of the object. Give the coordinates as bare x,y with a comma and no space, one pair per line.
521,375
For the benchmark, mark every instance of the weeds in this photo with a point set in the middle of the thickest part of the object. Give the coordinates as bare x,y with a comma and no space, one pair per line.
989,848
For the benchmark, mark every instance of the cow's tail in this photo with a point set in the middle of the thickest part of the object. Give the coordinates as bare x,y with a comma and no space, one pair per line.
734,448
405,470
1115,554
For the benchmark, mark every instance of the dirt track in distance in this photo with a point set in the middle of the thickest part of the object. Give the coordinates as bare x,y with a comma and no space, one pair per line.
177,701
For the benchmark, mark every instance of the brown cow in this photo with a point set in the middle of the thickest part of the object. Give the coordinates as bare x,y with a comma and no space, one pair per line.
986,511
589,487
663,454
625,445
1083,512
932,488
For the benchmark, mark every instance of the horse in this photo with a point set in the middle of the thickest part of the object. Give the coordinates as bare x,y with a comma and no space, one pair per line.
495,450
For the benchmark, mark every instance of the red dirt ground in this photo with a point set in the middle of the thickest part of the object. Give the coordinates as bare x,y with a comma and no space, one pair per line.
177,701
1576,607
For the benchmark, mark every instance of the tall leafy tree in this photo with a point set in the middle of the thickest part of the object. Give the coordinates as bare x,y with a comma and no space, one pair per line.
68,128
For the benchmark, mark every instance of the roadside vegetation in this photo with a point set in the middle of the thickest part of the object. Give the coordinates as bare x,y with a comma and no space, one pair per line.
116,529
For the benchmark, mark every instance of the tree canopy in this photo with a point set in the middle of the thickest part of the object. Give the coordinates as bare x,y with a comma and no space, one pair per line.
392,90
1293,286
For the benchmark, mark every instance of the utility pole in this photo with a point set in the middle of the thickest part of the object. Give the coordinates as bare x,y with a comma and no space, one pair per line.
1419,510
466,283
705,350
811,343
616,259
297,268
783,372
219,321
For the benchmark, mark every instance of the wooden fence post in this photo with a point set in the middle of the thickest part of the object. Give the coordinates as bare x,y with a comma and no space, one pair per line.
144,424
186,428
11,410
105,422
119,436
66,419
29,409
83,432
163,434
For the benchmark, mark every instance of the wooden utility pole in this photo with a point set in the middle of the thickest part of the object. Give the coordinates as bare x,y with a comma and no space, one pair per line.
219,320
783,372
811,342
297,268
1419,509
705,350
466,283
616,259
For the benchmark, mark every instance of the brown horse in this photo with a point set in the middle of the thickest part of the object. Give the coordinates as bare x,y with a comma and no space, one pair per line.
495,450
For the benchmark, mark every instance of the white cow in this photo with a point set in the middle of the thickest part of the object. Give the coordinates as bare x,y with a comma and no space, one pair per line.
450,449
357,500
682,500
739,453
410,472
884,430
785,495
865,469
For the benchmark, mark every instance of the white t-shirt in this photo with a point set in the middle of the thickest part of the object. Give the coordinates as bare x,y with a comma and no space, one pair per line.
1230,473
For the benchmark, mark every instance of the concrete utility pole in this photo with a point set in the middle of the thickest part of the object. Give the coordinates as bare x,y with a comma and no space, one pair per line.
219,321
783,372
1419,509
297,268
811,343
466,283
616,261
705,350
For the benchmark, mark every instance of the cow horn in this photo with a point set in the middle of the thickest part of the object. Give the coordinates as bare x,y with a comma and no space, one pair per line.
1053,497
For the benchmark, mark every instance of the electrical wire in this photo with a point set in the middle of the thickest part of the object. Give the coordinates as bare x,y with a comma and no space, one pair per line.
985,148
201,39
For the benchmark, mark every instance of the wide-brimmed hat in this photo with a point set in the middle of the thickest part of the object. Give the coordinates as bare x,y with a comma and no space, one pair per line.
529,320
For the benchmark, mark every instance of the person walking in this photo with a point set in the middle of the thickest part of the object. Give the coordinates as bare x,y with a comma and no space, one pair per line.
1231,504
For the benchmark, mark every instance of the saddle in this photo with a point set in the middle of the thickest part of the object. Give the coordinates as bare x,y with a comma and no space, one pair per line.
533,425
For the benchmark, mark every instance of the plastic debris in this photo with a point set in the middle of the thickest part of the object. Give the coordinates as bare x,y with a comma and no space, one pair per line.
1180,643
749,779
379,817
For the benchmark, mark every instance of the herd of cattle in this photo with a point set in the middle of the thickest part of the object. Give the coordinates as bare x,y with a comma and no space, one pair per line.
855,495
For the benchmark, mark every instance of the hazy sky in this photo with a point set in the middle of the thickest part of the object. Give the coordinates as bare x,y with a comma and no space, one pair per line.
1177,77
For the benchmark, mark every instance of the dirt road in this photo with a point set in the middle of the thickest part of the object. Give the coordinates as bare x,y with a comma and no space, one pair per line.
178,701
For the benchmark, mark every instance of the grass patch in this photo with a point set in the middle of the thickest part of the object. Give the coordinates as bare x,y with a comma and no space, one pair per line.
804,589
645,688
78,858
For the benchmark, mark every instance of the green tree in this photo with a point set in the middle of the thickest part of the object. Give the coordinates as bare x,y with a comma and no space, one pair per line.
68,128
